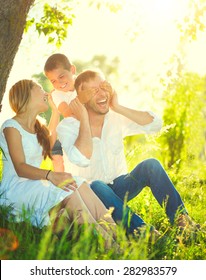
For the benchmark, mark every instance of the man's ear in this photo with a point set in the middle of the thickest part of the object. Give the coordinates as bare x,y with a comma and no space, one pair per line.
73,69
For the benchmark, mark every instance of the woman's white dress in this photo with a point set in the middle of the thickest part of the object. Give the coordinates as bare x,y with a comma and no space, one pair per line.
29,199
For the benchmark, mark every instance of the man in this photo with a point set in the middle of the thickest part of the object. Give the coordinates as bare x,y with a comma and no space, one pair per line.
105,160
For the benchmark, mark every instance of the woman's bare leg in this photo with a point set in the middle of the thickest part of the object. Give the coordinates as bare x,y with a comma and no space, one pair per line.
94,204
84,206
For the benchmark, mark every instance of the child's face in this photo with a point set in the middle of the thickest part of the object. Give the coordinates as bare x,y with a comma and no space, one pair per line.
62,79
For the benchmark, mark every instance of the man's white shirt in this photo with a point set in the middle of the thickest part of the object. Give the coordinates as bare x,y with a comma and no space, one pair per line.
108,159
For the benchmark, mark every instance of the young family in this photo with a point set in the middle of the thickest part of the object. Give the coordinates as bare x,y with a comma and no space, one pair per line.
91,133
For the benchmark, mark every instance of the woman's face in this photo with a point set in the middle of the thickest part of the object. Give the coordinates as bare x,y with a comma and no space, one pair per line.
39,100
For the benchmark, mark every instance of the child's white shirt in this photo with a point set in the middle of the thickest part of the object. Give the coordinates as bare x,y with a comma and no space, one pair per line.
61,96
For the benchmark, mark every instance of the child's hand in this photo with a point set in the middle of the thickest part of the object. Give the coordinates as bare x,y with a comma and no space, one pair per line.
85,95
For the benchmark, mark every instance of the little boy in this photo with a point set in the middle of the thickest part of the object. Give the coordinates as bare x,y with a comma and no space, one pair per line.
61,73
59,70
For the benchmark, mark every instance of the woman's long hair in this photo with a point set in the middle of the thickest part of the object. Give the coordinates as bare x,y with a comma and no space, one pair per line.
19,97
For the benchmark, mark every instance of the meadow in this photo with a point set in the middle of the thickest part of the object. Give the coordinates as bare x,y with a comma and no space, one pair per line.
21,241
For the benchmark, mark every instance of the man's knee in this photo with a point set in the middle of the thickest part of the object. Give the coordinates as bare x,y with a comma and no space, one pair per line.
152,164
105,193
98,186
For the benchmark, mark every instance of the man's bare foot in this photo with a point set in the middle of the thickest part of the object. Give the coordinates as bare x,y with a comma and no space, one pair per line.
185,222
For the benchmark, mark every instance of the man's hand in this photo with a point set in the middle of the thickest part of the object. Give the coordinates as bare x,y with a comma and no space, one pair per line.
78,109
112,94
107,87
114,101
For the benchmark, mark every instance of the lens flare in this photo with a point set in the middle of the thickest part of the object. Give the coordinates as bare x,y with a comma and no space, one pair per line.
8,240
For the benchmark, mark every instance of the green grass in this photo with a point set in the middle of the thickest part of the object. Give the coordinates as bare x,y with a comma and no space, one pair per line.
82,243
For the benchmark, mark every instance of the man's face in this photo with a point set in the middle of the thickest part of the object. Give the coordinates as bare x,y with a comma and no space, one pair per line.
99,103
62,79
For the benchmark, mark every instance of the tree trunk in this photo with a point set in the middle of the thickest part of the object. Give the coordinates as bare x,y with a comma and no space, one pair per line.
13,14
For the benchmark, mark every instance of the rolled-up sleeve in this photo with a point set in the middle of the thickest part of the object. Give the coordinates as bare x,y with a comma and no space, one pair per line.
132,128
68,131
155,125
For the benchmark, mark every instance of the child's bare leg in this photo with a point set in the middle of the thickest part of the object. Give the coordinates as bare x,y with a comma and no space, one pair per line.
58,163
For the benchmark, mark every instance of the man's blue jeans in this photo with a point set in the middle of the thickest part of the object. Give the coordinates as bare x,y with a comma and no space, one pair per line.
148,173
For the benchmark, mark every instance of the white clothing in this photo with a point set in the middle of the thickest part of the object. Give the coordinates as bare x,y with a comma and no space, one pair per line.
37,197
61,96
108,160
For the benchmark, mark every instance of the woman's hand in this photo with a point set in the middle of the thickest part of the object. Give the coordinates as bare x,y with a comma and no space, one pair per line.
51,103
62,180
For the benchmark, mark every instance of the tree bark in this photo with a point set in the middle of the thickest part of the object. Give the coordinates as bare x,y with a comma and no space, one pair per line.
13,14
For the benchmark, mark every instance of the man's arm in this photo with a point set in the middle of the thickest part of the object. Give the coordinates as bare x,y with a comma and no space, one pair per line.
68,131
84,140
64,109
140,117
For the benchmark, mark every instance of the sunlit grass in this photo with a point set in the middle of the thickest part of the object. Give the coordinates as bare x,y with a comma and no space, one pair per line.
83,242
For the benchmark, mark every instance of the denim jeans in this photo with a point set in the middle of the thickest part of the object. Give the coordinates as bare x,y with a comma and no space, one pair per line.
148,173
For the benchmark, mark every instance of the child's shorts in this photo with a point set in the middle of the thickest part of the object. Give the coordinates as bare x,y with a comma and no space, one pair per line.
57,149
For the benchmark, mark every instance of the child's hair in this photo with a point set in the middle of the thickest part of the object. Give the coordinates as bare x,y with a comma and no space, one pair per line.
57,60
19,96
86,76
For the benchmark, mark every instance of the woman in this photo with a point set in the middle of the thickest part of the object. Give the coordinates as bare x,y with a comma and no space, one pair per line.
25,142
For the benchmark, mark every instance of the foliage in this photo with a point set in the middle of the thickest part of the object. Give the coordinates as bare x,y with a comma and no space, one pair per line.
184,110
57,17
53,23
194,21
108,66
112,5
